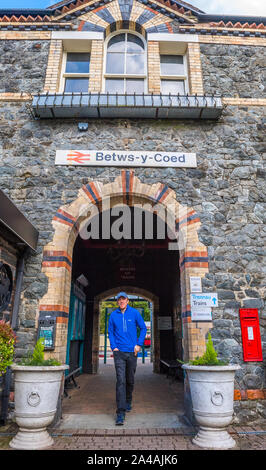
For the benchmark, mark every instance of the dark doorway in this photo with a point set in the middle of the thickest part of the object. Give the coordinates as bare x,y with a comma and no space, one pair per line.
145,262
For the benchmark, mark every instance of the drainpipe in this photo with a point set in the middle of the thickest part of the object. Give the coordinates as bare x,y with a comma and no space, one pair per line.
14,326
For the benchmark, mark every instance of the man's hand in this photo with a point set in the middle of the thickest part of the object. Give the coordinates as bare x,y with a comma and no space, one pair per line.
137,349
116,349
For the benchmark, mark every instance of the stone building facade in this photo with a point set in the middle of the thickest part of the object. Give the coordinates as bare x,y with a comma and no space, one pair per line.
220,202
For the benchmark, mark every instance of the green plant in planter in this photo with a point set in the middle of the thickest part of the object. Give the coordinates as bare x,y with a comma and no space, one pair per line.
37,357
209,358
7,342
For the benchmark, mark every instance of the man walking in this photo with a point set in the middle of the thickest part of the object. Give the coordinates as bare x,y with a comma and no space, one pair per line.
122,330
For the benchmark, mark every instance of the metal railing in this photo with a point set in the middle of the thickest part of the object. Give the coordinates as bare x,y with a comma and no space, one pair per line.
111,105
125,99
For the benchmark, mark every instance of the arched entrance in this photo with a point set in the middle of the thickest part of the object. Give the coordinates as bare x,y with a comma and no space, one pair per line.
135,265
130,290
128,190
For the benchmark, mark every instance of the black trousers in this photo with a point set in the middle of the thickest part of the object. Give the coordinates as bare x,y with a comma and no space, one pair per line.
125,366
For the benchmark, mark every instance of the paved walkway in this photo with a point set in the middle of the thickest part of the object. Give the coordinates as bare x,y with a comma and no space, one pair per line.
155,423
248,438
157,401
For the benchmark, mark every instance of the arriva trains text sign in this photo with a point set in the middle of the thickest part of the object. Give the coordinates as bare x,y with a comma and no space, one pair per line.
125,158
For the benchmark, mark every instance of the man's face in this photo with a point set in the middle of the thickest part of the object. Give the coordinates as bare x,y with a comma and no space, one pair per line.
122,302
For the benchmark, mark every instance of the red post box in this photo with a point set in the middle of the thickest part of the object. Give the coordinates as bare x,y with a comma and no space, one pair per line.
251,341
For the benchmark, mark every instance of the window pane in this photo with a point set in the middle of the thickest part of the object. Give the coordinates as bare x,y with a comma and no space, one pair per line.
114,85
117,43
134,85
115,63
172,65
75,85
172,86
78,63
134,43
135,64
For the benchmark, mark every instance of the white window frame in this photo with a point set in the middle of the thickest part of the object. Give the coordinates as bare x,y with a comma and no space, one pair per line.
177,77
125,76
65,74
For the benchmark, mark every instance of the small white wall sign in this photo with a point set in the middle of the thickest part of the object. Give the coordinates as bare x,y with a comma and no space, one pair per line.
201,314
195,284
125,158
205,299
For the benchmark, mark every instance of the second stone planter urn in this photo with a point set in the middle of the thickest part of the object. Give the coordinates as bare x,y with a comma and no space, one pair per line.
36,394
212,394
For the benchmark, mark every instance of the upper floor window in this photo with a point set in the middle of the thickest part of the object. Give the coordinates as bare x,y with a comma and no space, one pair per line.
125,64
76,72
173,75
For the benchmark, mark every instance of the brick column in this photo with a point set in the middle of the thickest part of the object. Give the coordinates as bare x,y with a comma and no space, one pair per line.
154,85
52,78
96,63
194,69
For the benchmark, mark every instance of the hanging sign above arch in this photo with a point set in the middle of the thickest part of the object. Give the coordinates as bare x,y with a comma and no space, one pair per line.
124,158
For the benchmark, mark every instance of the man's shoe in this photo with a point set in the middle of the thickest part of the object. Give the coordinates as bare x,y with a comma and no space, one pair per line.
120,419
128,407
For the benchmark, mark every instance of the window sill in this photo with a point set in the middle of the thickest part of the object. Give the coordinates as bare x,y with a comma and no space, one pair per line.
103,105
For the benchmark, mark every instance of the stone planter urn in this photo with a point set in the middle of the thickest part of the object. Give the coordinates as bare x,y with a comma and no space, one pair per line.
36,394
212,393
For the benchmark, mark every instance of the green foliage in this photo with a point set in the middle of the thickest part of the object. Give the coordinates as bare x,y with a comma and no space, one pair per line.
38,352
209,358
37,357
7,341
142,304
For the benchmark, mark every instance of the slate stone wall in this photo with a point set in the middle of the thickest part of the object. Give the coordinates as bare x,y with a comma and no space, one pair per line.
233,70
23,65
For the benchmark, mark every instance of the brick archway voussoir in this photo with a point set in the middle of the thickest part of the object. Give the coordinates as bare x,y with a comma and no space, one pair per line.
125,189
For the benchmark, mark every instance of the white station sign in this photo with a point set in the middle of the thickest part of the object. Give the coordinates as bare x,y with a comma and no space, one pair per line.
125,158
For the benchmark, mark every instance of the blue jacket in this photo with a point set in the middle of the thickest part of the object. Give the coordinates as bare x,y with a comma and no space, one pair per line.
122,329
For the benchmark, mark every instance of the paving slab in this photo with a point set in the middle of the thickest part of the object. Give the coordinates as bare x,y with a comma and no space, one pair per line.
153,393
132,421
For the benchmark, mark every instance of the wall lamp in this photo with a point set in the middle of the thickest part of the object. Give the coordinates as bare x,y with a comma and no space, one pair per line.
83,126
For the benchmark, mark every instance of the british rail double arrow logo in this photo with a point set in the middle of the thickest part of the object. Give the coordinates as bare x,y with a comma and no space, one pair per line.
77,156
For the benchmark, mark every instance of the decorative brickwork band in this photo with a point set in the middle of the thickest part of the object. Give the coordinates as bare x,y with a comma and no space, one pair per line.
256,394
127,185
92,193
58,311
163,193
64,218
194,261
190,218
57,259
